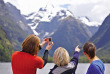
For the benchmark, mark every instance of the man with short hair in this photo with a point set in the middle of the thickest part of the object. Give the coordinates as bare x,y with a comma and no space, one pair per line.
96,66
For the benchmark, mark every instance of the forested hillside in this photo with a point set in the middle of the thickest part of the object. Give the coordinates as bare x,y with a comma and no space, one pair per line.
5,46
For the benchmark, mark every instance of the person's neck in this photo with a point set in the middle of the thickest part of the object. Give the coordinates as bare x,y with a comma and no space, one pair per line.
93,59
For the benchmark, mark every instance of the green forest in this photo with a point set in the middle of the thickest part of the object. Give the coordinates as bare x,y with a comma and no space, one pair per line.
6,49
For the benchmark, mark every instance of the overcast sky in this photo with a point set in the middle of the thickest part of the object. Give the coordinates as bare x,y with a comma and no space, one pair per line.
96,10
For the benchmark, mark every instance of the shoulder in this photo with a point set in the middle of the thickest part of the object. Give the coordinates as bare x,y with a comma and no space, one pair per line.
38,62
36,58
97,64
15,53
15,56
94,67
91,69
51,70
62,70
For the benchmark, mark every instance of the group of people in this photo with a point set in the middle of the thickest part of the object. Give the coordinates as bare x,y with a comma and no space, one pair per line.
27,61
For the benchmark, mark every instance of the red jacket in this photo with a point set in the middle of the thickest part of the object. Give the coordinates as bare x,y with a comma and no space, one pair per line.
25,63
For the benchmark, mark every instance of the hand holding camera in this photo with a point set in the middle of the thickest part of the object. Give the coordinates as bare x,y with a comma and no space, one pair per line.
44,42
49,41
49,46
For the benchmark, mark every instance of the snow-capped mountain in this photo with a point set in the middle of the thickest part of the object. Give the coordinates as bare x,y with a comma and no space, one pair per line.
46,14
46,21
93,26
88,22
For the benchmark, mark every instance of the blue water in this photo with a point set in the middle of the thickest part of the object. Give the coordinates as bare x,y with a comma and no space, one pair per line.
5,68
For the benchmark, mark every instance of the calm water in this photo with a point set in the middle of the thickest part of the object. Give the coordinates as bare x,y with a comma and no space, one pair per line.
5,68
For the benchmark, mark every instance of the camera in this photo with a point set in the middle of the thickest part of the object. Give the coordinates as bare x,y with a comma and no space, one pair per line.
50,39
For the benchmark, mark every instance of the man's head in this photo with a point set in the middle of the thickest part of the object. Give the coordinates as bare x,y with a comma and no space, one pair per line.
89,50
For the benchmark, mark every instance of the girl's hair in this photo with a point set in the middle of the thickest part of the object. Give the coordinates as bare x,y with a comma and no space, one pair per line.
90,49
31,44
61,57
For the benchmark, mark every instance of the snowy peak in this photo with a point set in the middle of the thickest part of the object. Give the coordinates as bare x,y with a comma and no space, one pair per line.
46,14
88,22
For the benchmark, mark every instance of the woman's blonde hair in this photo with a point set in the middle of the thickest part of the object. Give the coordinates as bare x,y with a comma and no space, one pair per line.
31,44
61,57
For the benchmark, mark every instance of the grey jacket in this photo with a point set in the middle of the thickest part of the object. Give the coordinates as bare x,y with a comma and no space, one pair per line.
68,69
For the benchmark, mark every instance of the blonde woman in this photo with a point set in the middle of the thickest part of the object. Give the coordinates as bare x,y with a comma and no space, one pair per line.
61,59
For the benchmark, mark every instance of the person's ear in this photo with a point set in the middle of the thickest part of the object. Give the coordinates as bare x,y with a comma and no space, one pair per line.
95,49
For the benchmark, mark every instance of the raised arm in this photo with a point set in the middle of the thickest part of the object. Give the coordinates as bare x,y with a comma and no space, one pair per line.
75,58
48,47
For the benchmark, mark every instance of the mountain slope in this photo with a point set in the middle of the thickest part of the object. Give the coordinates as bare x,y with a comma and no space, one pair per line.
102,39
46,29
18,18
15,34
93,29
102,36
71,33
5,47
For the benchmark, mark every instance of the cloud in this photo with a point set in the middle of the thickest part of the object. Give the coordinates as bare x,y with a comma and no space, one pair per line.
100,10
96,10
28,6
65,5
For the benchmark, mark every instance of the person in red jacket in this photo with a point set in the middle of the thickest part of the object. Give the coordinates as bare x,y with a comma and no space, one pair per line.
26,61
